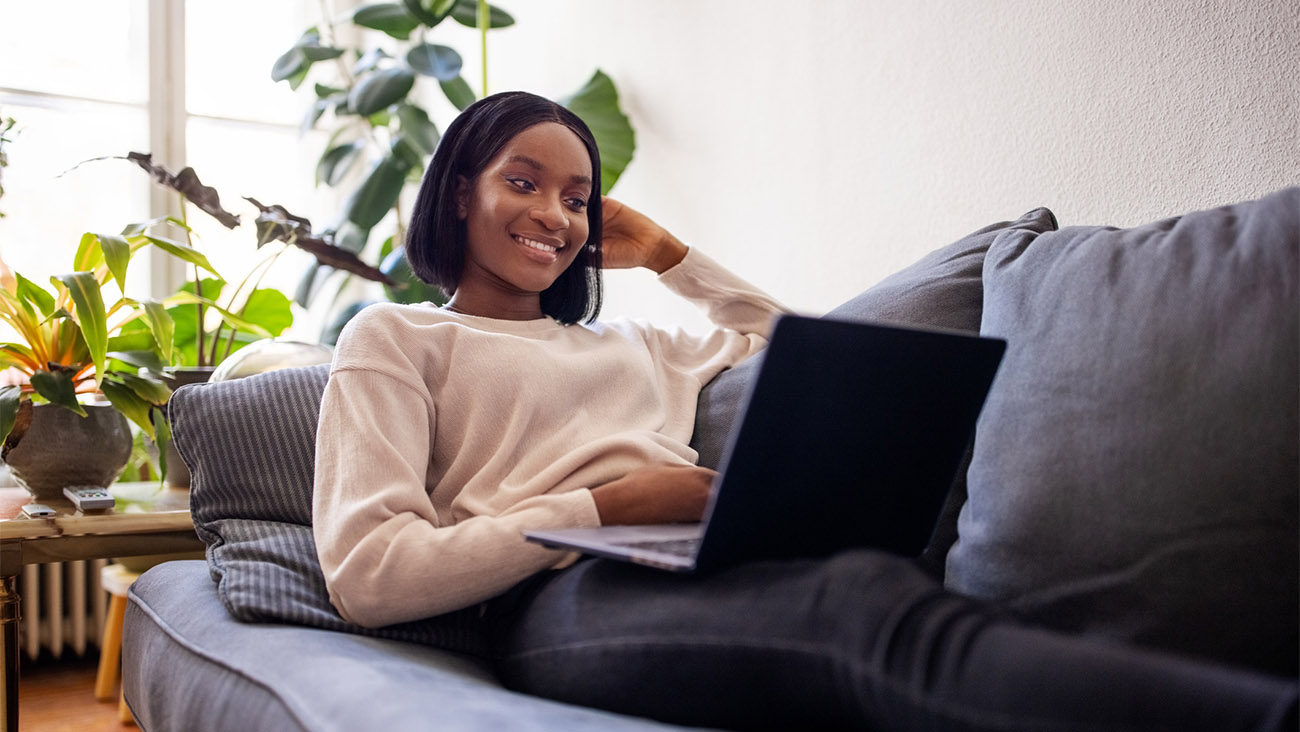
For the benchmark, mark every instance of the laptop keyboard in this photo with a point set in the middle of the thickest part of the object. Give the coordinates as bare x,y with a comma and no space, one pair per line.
676,547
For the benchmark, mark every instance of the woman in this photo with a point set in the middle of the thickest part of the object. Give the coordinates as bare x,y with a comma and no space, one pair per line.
444,433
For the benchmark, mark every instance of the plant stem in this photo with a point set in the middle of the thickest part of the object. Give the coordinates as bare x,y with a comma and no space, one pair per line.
483,22
265,267
198,292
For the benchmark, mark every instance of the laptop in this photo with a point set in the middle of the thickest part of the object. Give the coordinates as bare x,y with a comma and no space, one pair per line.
850,437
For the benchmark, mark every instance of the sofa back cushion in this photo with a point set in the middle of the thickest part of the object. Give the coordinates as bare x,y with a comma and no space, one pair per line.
1136,468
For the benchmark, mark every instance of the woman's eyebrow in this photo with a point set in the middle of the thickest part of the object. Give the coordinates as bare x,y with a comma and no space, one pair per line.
536,165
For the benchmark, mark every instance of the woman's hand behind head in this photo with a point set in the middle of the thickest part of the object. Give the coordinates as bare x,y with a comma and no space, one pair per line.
632,239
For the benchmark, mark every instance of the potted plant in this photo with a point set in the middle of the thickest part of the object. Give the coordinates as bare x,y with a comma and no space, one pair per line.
72,388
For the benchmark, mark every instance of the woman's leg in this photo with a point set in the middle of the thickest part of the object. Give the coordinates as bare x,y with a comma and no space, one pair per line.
862,640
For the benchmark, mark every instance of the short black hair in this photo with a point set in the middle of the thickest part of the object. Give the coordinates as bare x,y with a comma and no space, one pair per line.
436,237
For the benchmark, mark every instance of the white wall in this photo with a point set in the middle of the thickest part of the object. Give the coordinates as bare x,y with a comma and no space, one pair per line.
817,146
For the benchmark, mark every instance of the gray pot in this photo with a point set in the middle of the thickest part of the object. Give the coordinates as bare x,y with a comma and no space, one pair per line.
178,473
62,449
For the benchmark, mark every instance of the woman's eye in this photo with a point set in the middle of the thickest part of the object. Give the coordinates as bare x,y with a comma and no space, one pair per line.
577,204
521,183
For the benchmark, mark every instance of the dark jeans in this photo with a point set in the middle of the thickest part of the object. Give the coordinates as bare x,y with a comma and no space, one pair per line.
862,640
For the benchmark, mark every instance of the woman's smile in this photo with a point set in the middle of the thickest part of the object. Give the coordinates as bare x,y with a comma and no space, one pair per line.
544,250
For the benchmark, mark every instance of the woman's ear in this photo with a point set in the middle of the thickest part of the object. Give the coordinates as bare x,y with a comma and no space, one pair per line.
462,197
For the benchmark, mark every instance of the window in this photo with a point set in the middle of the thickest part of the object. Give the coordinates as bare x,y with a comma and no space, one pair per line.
188,81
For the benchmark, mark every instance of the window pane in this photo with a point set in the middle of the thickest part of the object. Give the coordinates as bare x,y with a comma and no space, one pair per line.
264,162
231,47
84,48
48,206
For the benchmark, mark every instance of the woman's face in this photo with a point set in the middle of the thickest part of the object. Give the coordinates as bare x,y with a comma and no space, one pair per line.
525,214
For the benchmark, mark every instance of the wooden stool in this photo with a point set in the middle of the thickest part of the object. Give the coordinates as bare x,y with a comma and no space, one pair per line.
116,579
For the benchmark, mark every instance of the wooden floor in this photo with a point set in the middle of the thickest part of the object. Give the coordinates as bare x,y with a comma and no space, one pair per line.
59,696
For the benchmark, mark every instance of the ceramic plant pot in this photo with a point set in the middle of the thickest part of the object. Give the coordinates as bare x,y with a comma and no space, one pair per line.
178,473
61,448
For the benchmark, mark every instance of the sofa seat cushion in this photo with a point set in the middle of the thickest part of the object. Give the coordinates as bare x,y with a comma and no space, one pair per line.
1136,466
189,666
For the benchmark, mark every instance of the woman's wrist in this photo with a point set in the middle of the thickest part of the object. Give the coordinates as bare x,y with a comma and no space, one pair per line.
670,252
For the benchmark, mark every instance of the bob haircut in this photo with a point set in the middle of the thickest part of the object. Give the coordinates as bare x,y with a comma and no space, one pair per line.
436,239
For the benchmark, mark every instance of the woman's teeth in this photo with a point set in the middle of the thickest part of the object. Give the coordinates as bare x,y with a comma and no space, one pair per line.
536,244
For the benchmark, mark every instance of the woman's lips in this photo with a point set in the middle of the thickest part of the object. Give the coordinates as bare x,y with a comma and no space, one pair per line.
538,251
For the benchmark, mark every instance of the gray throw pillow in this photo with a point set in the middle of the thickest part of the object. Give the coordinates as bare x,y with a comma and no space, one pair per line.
250,445
1136,468
943,289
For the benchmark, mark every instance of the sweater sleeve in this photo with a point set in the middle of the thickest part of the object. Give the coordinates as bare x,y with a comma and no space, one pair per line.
386,554
743,312
729,301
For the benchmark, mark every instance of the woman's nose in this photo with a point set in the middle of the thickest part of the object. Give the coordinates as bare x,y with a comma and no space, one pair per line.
550,213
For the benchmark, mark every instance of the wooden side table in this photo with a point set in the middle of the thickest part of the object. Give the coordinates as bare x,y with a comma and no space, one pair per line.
147,519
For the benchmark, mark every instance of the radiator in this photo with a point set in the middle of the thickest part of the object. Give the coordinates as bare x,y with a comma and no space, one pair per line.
63,607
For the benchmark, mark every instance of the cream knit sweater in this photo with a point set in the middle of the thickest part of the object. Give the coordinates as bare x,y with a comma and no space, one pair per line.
443,436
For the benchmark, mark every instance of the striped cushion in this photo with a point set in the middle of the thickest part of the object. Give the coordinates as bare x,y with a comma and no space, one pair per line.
250,445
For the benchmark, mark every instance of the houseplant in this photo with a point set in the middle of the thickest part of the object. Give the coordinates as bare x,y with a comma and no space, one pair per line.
66,361
244,311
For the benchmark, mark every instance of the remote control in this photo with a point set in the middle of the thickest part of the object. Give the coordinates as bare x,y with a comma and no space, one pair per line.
89,497
38,510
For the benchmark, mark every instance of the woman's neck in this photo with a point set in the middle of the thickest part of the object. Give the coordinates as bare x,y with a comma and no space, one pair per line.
527,307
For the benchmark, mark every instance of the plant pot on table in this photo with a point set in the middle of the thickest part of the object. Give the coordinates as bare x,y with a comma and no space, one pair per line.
60,448
178,473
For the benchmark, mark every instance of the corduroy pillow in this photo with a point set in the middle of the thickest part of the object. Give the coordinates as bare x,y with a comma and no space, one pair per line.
250,445
1136,468
943,289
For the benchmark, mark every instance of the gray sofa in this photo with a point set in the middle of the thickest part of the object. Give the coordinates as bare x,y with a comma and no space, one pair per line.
1133,477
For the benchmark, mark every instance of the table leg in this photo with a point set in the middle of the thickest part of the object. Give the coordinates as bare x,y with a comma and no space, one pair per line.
9,614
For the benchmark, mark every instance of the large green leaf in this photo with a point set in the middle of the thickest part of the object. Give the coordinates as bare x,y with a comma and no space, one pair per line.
117,253
377,195
417,127
132,340
187,253
337,161
57,387
597,104
91,315
292,65
458,92
431,59
161,325
140,359
9,398
15,354
320,53
97,249
130,404
270,309
150,389
430,12
378,89
89,254
289,64
28,291
465,12
390,18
